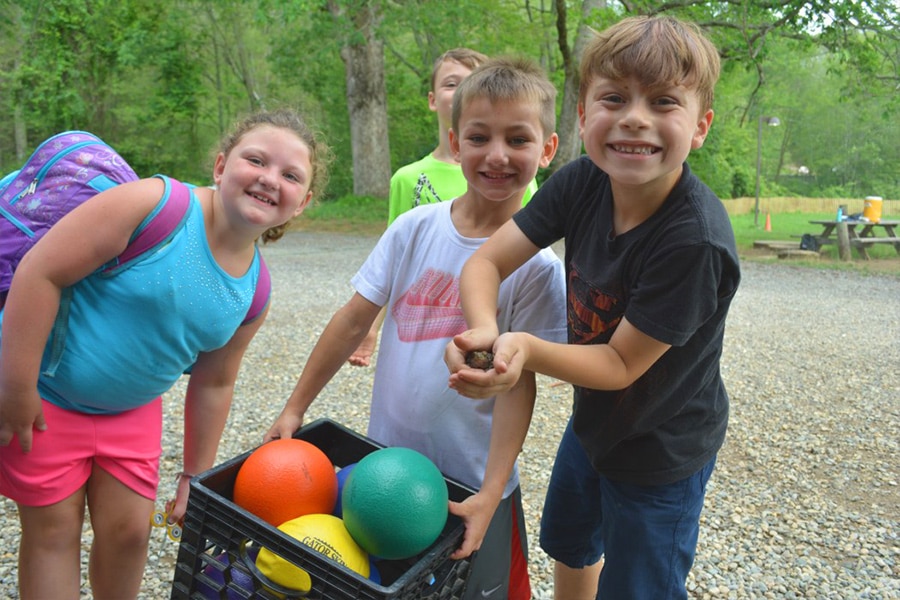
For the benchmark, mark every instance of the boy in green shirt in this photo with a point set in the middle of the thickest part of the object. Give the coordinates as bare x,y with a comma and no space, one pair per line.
437,176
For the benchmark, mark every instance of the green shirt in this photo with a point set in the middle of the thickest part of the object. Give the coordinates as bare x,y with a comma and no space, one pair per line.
427,181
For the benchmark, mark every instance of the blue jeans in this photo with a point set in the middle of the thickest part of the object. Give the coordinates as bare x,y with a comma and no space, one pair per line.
646,534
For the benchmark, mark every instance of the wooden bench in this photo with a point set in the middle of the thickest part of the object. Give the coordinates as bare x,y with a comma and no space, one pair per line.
776,244
863,243
797,253
868,241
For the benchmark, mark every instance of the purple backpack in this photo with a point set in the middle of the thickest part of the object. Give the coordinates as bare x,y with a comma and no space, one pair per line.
67,170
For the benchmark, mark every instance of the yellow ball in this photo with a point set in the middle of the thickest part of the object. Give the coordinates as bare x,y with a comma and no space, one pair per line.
324,533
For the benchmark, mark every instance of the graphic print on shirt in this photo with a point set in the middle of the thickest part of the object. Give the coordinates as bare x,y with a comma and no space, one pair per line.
592,314
424,192
430,309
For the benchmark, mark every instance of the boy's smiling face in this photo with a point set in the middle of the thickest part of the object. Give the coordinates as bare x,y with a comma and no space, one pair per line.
500,146
641,136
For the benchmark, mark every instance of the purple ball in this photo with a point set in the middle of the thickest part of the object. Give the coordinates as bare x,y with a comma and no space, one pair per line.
238,578
342,476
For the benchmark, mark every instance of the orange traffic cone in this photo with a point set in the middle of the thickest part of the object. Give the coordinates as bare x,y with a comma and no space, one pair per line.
768,222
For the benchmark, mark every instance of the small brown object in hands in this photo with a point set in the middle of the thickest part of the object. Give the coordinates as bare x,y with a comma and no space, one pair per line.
480,359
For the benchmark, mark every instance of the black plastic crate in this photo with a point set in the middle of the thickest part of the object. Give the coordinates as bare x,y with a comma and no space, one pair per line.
219,538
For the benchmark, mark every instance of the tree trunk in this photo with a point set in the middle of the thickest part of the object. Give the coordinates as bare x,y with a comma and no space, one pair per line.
567,126
367,105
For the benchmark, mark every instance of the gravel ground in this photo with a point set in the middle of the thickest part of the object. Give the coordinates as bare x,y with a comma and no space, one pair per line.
804,500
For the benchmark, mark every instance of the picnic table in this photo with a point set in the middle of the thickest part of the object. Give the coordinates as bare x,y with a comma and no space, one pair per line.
862,234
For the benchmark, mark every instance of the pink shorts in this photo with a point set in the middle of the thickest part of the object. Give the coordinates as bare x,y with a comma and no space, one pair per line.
126,445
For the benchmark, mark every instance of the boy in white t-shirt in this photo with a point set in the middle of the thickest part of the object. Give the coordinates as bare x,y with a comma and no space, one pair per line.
503,131
436,177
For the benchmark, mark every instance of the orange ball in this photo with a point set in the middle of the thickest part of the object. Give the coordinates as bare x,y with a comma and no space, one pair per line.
285,479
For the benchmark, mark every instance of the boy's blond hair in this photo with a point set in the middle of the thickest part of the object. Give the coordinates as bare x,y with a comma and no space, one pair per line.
467,57
658,50
509,79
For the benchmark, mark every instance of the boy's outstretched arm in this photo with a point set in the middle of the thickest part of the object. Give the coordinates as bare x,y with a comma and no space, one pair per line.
612,366
341,337
509,427
479,283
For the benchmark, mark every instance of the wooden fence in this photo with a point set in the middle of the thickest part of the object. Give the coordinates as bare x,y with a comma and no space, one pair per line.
739,206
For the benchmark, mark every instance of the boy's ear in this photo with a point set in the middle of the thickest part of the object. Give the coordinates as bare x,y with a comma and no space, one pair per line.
432,106
581,120
454,143
550,146
702,130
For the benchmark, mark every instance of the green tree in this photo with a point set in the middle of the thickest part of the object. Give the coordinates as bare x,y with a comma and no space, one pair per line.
162,80
13,31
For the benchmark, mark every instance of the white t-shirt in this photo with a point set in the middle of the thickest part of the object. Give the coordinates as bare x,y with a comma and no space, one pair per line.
414,271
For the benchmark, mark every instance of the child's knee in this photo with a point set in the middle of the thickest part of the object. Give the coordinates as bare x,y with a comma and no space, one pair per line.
51,528
133,536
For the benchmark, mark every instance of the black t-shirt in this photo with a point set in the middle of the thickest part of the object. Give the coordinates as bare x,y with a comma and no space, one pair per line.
673,277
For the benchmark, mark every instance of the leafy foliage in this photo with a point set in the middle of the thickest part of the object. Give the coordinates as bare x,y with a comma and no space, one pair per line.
161,81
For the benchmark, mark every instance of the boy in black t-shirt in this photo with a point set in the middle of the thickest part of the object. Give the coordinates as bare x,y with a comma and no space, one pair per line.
651,268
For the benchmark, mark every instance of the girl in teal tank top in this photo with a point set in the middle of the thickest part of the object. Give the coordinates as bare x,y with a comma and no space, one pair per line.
130,337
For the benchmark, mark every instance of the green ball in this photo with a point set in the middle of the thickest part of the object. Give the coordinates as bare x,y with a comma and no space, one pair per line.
395,503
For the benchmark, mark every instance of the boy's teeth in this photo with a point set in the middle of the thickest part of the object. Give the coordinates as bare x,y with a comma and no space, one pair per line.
634,150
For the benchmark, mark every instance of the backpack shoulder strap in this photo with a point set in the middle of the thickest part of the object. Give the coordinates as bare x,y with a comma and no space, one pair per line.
160,225
261,294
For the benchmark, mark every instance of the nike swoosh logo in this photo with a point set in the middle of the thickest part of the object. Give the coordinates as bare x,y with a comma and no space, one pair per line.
490,592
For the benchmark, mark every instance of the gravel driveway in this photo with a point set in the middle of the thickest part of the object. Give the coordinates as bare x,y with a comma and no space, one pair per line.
804,500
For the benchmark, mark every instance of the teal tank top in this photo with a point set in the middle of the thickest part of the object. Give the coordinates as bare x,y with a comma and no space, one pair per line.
132,335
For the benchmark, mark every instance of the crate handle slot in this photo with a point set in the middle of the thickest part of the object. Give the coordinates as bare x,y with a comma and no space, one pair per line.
268,583
443,573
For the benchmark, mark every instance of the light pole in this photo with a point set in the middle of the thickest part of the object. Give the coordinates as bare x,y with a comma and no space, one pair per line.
773,122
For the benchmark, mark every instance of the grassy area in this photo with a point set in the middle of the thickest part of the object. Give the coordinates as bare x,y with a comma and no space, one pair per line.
350,214
789,219
785,227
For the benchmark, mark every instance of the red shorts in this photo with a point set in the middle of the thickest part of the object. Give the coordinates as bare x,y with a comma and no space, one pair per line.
126,445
